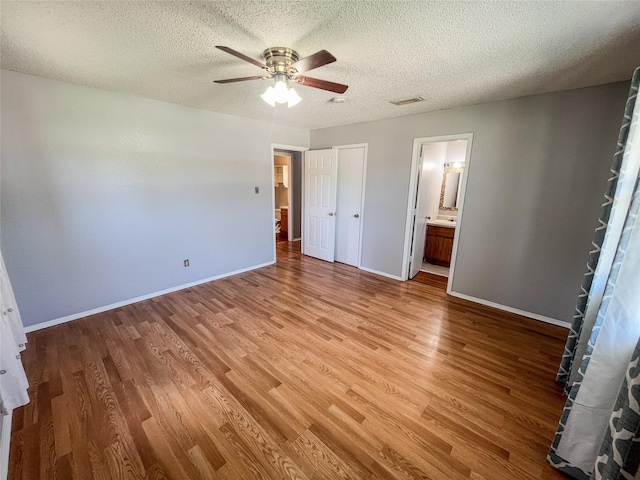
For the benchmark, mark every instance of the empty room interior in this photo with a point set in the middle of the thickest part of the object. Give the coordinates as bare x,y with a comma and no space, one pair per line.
319,240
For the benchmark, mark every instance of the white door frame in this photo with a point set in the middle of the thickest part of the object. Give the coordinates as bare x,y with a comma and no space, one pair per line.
364,185
413,191
289,194
290,198
293,148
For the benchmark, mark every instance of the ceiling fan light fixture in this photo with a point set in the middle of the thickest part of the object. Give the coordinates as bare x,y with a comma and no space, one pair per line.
269,96
293,98
281,91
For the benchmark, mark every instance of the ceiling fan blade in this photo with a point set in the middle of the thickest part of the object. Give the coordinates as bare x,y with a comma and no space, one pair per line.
316,60
241,79
323,84
242,56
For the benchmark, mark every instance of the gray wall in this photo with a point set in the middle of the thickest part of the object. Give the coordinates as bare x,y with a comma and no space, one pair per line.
538,169
282,196
105,194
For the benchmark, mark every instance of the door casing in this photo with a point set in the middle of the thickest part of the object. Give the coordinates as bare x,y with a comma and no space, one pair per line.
274,147
413,192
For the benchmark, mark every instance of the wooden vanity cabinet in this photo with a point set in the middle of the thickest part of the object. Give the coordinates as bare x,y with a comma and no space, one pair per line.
284,222
439,245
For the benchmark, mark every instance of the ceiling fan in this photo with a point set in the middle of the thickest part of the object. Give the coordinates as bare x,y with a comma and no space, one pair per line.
284,65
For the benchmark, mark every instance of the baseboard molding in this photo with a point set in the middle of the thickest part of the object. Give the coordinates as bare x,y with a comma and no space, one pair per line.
296,239
75,316
384,274
5,440
534,316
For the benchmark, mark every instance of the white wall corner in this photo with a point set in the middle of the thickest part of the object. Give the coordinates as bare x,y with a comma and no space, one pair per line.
498,306
75,316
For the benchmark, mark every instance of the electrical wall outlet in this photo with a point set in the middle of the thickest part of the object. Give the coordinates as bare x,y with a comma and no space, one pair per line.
186,262
257,189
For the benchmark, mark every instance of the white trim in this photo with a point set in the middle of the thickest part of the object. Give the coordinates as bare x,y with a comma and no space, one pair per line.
5,441
303,200
290,212
75,316
273,200
383,274
297,239
498,306
294,148
290,208
413,192
364,188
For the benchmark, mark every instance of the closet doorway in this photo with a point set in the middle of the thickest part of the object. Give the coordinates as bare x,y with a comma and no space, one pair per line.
438,181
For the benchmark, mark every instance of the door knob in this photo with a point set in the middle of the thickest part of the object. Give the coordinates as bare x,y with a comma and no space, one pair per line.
356,216
331,214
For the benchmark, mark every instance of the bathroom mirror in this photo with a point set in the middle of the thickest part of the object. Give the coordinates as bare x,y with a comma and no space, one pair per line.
450,191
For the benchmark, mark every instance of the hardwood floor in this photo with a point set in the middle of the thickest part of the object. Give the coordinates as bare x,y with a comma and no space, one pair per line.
303,369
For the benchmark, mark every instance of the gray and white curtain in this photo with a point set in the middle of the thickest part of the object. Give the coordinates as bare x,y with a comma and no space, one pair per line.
13,381
598,435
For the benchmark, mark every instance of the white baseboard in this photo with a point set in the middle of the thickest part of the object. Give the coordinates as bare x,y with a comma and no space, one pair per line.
384,274
5,439
297,239
75,316
498,306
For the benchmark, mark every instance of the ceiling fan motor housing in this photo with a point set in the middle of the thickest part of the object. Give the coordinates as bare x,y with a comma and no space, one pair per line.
278,59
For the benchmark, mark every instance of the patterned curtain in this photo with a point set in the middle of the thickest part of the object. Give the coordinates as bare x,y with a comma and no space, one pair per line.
13,380
590,293
620,451
598,434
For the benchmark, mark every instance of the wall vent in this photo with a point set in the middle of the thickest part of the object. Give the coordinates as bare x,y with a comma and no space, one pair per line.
408,101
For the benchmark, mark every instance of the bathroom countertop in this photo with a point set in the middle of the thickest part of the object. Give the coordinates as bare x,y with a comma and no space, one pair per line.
441,223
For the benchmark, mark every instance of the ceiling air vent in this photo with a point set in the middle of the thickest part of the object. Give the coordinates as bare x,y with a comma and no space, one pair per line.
408,101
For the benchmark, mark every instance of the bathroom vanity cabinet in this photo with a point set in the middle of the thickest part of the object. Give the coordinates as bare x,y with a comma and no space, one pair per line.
439,245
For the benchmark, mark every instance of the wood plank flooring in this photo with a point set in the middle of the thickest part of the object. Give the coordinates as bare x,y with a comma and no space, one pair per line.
303,369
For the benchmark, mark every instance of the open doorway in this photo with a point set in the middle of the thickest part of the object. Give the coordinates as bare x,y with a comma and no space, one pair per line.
282,190
438,181
287,193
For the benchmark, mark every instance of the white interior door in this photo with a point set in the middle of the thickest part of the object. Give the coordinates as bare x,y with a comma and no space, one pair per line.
420,213
349,204
319,221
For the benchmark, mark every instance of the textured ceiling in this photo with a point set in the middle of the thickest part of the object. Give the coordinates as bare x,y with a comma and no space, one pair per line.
451,53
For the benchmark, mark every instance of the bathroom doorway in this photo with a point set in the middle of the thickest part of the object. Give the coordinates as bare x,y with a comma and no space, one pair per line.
438,179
